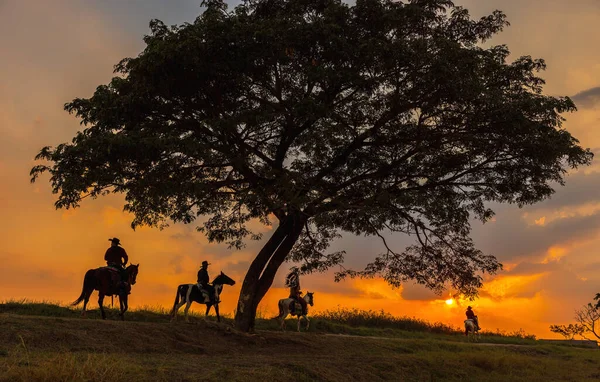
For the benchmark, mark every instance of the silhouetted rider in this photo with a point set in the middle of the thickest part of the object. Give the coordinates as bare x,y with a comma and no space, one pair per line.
293,282
471,316
203,281
117,258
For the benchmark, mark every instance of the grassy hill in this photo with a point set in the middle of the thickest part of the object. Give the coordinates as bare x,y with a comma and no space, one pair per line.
45,342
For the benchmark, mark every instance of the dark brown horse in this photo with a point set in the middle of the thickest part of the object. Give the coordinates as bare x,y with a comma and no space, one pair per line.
106,281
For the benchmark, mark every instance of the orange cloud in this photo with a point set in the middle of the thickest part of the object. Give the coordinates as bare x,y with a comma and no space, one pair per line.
554,254
509,286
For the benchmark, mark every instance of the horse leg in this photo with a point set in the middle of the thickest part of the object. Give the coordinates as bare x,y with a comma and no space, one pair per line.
299,317
282,321
120,306
86,299
187,307
100,301
207,310
123,304
307,322
217,312
174,315
282,314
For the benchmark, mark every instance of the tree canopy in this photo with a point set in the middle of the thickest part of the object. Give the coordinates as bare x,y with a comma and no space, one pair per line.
378,118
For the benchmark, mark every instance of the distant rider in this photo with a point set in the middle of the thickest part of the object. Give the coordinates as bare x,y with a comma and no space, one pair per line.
293,282
471,316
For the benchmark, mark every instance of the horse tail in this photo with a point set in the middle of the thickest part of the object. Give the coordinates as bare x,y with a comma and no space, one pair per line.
176,300
88,282
280,305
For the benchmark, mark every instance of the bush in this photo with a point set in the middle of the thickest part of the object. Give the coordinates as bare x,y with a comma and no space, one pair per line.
381,319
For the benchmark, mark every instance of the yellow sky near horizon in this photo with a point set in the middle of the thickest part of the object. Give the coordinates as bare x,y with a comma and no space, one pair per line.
54,51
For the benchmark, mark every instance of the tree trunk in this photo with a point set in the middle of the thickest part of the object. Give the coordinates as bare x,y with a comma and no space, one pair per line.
261,273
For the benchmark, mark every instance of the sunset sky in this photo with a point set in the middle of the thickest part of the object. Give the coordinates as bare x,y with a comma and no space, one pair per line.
54,51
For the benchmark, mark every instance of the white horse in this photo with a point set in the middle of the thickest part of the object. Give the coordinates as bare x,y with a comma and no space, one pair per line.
284,310
471,330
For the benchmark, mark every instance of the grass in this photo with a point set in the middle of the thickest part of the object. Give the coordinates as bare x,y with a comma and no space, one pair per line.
41,341
339,321
53,309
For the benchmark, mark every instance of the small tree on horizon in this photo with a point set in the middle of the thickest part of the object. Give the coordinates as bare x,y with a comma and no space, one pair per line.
569,332
587,322
379,118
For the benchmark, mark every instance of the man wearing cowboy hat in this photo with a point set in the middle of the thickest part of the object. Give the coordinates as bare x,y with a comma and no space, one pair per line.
116,257
471,316
203,281
292,281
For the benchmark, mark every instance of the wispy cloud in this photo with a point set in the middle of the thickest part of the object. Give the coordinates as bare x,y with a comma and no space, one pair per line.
588,98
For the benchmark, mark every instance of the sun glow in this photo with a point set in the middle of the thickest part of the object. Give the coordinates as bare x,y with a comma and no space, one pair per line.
450,301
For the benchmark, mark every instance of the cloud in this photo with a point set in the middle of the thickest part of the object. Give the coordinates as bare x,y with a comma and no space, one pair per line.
160,288
412,291
236,270
176,263
588,98
511,238
580,188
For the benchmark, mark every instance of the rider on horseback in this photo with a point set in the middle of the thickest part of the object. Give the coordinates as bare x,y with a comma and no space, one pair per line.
293,282
116,257
471,316
203,281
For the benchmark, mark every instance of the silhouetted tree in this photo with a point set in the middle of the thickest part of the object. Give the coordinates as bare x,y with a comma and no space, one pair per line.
569,332
378,118
587,320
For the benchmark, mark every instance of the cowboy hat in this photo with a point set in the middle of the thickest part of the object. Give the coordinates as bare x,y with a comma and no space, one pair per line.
115,240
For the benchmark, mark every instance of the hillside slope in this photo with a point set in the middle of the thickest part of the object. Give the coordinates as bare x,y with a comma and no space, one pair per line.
36,348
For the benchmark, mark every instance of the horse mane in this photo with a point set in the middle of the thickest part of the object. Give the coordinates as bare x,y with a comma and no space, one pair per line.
221,276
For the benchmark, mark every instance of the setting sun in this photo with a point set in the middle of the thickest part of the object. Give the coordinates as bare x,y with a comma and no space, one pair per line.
450,301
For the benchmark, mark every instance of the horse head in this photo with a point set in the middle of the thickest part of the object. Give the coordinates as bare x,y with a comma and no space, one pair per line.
132,271
309,298
223,279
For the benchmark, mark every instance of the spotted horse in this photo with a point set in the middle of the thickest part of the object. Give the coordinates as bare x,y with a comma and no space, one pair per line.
188,293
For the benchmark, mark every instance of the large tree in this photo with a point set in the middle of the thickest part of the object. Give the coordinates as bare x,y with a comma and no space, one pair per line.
379,118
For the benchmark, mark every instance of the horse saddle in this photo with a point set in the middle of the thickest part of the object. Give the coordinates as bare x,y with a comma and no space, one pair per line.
115,279
295,307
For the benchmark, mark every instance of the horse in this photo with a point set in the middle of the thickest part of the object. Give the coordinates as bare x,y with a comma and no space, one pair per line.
106,281
284,310
189,293
471,330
